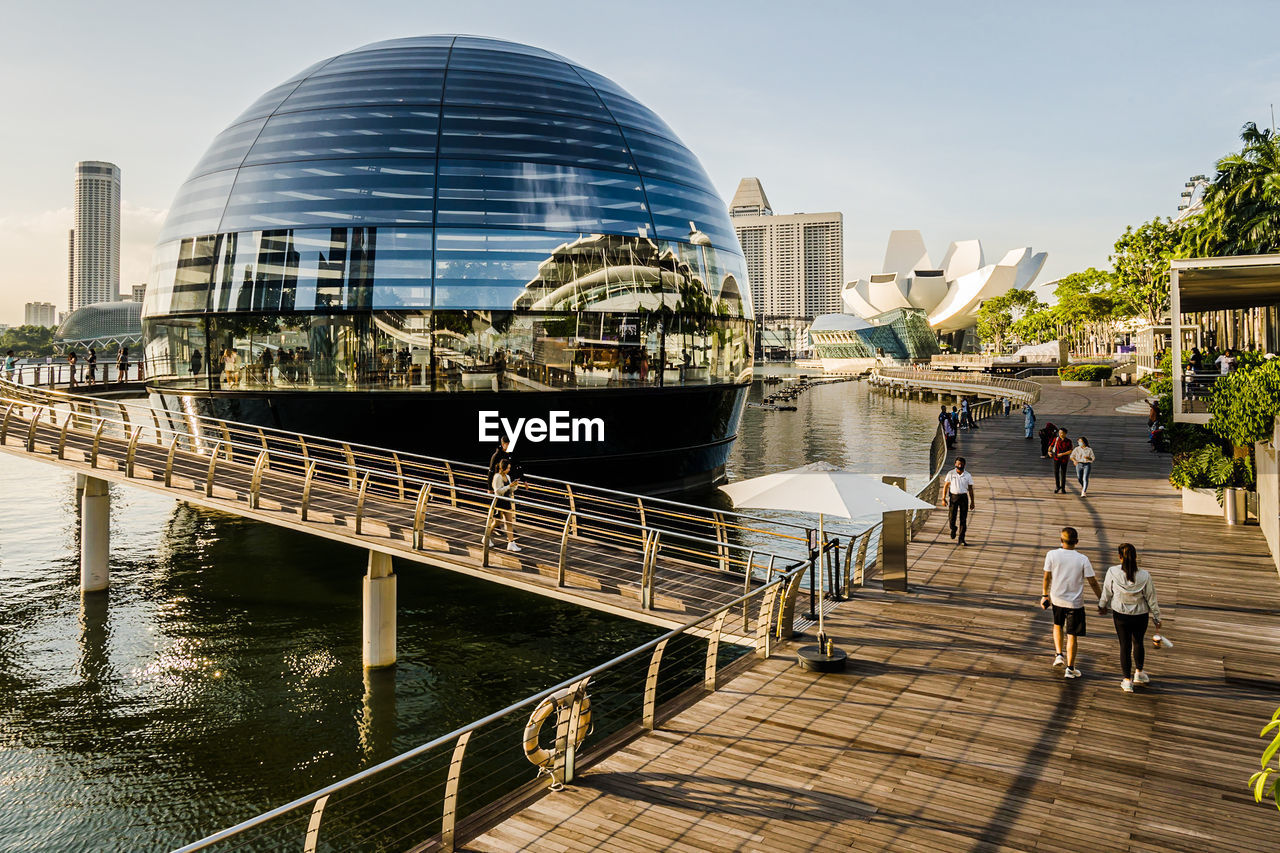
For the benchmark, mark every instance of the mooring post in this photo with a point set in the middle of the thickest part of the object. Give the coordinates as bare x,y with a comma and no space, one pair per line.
95,535
379,630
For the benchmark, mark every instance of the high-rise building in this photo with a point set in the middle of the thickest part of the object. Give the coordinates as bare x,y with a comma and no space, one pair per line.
795,261
138,291
40,314
95,242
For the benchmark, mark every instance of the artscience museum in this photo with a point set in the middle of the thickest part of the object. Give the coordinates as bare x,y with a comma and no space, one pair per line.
404,236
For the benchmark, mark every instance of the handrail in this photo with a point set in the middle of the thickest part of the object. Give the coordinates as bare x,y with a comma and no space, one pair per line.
528,702
1023,390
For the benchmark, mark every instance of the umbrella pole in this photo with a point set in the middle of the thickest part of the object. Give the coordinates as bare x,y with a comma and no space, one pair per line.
822,575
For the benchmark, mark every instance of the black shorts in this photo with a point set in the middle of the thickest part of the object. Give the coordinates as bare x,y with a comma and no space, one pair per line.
1071,620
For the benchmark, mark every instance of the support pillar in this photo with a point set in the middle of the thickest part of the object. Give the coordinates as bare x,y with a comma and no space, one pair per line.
379,647
893,544
95,535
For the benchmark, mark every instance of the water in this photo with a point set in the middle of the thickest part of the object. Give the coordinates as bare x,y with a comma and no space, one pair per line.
221,675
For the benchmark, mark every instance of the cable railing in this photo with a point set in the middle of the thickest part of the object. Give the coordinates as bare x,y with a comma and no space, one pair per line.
439,793
1018,390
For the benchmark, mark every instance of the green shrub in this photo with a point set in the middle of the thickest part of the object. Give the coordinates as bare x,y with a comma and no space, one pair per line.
1085,372
1211,468
1245,403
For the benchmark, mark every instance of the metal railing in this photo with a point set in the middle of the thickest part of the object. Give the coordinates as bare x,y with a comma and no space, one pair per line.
1019,390
437,794
55,373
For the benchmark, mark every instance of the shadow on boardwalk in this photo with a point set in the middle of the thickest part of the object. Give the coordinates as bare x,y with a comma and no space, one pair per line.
951,730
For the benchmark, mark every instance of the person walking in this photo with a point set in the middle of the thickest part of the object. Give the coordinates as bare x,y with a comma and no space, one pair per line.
503,488
1131,596
1062,590
10,364
73,363
122,364
948,432
1046,435
1060,452
1083,457
500,453
955,418
958,497
966,421
1028,419
943,415
1007,405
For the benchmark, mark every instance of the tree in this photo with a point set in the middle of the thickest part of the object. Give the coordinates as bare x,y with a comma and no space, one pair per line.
1141,263
1241,214
1037,326
27,341
998,316
1087,304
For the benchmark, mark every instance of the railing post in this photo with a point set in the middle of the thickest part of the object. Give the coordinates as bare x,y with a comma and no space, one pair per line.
579,698
453,486
764,621
262,463
364,490
640,506
62,435
787,611
713,653
351,465
4,425
648,569
226,436
155,420
449,821
562,567
313,825
573,508
420,515
133,447
746,583
306,489
722,542
97,441
488,531
31,429
651,686
399,474
213,463
168,462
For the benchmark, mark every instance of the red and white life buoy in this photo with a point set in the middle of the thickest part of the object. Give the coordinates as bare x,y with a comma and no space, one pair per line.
561,702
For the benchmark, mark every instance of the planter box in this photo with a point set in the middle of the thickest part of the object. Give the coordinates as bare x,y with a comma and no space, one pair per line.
1081,383
1200,502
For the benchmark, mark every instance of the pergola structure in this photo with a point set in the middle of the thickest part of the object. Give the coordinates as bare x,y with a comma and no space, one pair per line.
1235,301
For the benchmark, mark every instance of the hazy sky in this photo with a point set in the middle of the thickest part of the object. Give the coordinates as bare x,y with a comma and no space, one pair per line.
1016,123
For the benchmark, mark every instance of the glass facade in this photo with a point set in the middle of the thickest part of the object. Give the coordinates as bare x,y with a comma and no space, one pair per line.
901,334
447,213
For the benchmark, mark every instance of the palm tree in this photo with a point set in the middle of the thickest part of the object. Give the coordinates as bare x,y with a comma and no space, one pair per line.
1241,213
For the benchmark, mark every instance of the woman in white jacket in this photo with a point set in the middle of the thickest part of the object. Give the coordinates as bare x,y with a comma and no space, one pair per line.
1082,455
1130,594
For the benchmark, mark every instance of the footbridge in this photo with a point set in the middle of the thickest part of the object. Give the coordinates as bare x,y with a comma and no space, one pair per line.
950,382
657,561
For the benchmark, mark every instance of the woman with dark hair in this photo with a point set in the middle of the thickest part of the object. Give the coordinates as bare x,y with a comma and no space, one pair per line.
1131,595
1084,458
1046,435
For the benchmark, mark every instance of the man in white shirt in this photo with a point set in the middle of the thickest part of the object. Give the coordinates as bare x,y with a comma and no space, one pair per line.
1065,571
957,494
1226,362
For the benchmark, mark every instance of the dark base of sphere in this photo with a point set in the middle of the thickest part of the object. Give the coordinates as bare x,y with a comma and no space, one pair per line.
655,440
815,659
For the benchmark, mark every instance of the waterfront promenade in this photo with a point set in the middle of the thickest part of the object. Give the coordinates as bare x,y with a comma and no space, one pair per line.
951,730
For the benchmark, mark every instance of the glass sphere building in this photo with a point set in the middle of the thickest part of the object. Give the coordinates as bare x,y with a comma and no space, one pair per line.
409,243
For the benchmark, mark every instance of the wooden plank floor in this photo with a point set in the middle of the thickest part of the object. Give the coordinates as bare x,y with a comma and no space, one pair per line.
951,731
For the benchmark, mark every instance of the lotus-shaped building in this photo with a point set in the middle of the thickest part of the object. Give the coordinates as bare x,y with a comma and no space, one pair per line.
949,294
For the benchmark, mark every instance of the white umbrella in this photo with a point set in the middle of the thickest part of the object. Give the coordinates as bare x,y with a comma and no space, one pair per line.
823,489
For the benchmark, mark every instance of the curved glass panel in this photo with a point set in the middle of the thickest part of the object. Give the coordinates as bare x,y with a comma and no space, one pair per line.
533,195
626,110
198,207
482,89
494,135
656,155
388,58
267,104
326,192
501,62
229,148
369,88
371,132
676,205
437,40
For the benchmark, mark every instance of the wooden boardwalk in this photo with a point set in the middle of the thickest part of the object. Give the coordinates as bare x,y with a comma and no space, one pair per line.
951,731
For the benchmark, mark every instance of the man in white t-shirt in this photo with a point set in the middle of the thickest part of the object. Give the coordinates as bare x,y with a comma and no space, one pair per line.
957,495
1065,571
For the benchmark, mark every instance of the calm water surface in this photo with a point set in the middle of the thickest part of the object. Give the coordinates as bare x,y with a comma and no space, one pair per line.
221,674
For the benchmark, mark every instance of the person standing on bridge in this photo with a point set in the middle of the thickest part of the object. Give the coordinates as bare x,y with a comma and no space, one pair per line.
966,418
1007,404
73,363
9,364
92,364
1065,571
503,488
122,364
943,415
958,497
1028,419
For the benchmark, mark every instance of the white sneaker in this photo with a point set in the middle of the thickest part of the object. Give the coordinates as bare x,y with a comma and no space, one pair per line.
1126,685
1059,660
1141,677
511,546
1071,673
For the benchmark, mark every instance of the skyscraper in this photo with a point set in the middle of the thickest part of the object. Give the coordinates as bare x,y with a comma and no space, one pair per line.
95,242
795,261
39,314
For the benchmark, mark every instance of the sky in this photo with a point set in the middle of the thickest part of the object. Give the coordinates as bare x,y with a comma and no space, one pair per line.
1049,125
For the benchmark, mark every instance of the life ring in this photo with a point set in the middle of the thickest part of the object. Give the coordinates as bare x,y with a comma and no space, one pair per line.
561,702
